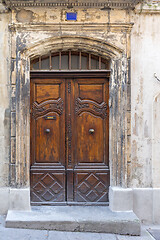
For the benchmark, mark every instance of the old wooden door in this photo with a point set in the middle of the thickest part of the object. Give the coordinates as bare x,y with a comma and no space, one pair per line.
69,140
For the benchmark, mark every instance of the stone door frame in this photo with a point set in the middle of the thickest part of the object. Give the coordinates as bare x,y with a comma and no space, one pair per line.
120,104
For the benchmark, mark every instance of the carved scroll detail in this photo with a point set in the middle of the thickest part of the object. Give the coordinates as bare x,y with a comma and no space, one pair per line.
91,106
79,105
46,107
101,110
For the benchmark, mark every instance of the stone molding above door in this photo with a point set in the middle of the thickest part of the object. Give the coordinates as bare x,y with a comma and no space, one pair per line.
119,4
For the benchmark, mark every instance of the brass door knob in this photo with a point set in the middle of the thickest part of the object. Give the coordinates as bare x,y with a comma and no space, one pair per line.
91,130
48,130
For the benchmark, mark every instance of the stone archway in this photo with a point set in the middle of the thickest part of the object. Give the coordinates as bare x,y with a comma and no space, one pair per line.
119,149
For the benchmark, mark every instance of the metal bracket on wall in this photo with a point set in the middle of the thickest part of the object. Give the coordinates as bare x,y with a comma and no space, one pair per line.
158,79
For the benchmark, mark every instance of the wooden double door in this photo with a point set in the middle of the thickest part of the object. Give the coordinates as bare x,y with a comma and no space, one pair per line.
69,139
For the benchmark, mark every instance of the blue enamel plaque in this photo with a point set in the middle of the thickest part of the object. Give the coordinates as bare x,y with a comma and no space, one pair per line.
71,16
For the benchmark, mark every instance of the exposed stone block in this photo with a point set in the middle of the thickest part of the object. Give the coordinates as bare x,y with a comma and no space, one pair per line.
4,200
156,205
143,204
19,199
120,199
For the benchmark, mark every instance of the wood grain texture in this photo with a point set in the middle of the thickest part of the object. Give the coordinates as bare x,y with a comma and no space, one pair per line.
91,140
47,140
69,140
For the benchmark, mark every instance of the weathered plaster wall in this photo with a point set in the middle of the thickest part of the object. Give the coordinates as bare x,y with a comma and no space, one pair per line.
34,35
58,15
4,98
145,49
39,24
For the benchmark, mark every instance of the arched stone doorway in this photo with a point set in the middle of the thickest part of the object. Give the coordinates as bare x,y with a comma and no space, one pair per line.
119,103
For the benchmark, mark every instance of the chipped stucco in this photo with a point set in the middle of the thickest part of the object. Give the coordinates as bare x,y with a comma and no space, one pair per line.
37,30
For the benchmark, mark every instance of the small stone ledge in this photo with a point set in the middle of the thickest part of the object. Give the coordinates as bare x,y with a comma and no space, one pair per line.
114,27
75,218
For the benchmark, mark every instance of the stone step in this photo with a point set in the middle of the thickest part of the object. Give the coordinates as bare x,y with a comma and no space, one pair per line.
99,219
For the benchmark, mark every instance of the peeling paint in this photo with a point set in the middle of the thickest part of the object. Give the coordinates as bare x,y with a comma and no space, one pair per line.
24,16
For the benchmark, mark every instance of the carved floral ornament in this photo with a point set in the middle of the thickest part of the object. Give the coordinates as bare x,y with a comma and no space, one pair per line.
121,4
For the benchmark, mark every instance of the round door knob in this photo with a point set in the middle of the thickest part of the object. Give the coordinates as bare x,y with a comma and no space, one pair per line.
91,130
48,130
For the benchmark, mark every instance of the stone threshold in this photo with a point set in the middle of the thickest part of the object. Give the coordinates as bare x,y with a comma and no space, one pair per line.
98,219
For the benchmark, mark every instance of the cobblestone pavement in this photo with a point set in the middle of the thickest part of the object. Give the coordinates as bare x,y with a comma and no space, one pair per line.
28,234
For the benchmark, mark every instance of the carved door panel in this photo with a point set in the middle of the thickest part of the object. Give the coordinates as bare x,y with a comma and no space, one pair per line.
69,140
90,140
47,141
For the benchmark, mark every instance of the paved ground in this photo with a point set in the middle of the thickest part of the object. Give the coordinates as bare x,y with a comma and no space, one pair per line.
26,234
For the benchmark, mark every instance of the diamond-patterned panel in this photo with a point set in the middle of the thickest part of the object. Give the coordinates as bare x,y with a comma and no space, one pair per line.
39,187
56,187
47,196
91,187
100,187
47,187
83,188
91,179
92,196
47,179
